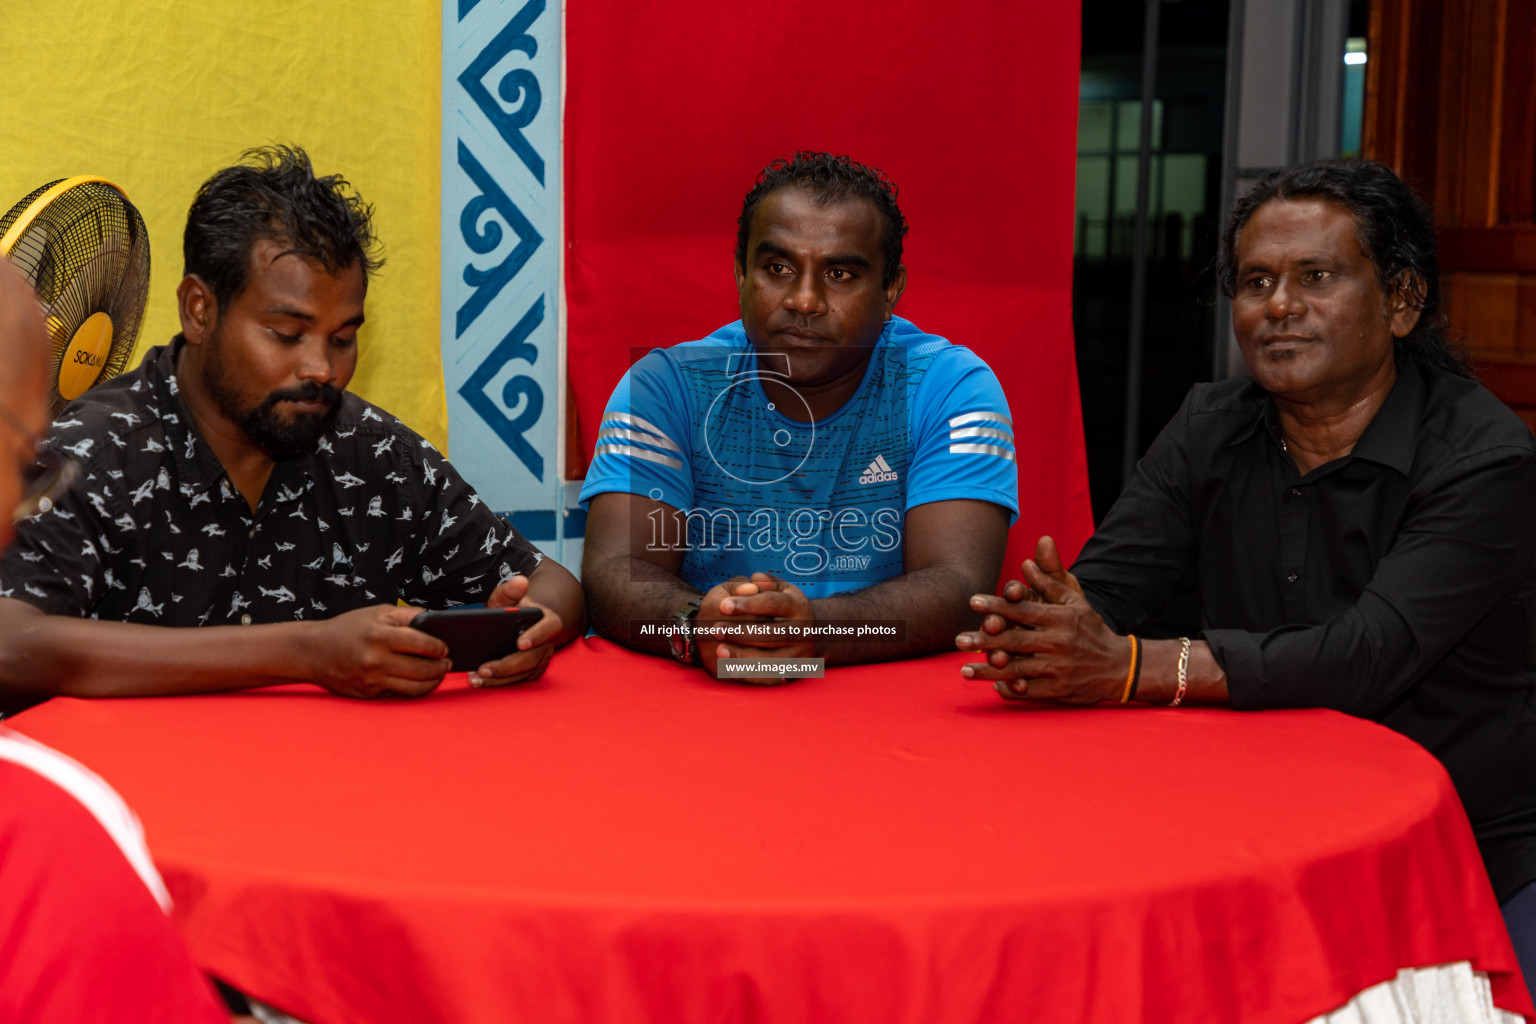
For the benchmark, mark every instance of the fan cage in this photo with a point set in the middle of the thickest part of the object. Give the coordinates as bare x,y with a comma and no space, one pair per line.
86,251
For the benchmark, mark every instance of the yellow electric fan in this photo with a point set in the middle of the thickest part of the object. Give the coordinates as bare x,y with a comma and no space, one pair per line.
85,250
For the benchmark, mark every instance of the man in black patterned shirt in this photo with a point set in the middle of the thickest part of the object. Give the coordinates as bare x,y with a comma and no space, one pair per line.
230,481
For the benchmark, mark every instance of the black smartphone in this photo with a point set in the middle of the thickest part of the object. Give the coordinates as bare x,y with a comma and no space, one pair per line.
477,635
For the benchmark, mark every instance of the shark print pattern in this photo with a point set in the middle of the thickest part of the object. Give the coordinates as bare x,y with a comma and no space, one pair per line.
154,532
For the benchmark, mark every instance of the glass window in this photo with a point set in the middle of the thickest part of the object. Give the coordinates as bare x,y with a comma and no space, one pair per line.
1092,206
1128,134
1095,123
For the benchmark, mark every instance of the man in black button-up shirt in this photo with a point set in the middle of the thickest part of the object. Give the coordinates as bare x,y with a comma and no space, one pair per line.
230,481
1359,520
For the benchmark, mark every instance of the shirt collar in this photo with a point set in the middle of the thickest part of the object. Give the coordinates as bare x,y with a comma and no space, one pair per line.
1265,414
196,465
1392,436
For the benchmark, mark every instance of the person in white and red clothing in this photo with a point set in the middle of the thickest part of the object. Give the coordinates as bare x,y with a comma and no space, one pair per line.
84,936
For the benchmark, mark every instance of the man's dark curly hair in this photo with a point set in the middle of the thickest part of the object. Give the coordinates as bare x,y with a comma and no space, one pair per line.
829,179
274,194
1394,229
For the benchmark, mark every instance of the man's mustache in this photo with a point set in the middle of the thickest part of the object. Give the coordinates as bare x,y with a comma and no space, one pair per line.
311,391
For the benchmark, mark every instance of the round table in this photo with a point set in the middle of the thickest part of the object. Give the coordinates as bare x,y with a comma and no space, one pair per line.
628,840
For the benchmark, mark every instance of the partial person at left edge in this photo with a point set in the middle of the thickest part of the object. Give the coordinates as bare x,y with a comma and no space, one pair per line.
230,482
84,932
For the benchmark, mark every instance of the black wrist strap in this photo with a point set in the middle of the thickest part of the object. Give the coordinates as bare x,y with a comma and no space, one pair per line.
683,620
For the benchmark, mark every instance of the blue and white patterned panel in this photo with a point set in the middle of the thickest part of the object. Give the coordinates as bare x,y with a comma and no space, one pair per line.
500,253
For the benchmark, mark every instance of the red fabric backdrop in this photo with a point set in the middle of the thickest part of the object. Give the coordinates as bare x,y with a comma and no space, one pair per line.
673,106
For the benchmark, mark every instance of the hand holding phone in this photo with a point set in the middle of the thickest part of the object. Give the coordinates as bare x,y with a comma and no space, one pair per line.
477,635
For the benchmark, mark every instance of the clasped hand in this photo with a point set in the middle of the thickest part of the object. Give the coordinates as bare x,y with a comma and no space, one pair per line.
764,600
1043,640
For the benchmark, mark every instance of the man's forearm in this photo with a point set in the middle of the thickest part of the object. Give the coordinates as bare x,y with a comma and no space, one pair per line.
927,607
55,655
552,586
625,593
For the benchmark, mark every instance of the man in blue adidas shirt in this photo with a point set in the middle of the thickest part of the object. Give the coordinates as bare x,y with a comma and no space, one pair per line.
819,466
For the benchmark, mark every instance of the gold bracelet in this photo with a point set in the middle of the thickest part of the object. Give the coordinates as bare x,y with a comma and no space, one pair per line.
1131,673
1183,671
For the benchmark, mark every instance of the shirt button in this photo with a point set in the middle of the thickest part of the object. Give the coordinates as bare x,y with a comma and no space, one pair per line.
252,534
245,620
1295,493
1289,578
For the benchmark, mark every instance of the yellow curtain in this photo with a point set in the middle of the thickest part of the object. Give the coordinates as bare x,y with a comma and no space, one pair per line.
155,96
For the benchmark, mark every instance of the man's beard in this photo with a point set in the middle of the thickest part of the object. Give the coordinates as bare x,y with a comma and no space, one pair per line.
280,437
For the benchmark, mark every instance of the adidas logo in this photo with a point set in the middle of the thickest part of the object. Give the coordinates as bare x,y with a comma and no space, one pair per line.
878,472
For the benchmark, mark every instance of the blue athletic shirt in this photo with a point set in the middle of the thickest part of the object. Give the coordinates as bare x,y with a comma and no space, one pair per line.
820,504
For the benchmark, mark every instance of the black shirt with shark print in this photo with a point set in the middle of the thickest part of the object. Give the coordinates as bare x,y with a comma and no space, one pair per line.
154,532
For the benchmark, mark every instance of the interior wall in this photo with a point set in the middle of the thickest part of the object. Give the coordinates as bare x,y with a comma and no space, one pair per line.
156,95
1451,105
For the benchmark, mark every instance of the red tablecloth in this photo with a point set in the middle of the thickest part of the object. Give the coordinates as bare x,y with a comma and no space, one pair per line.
626,840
